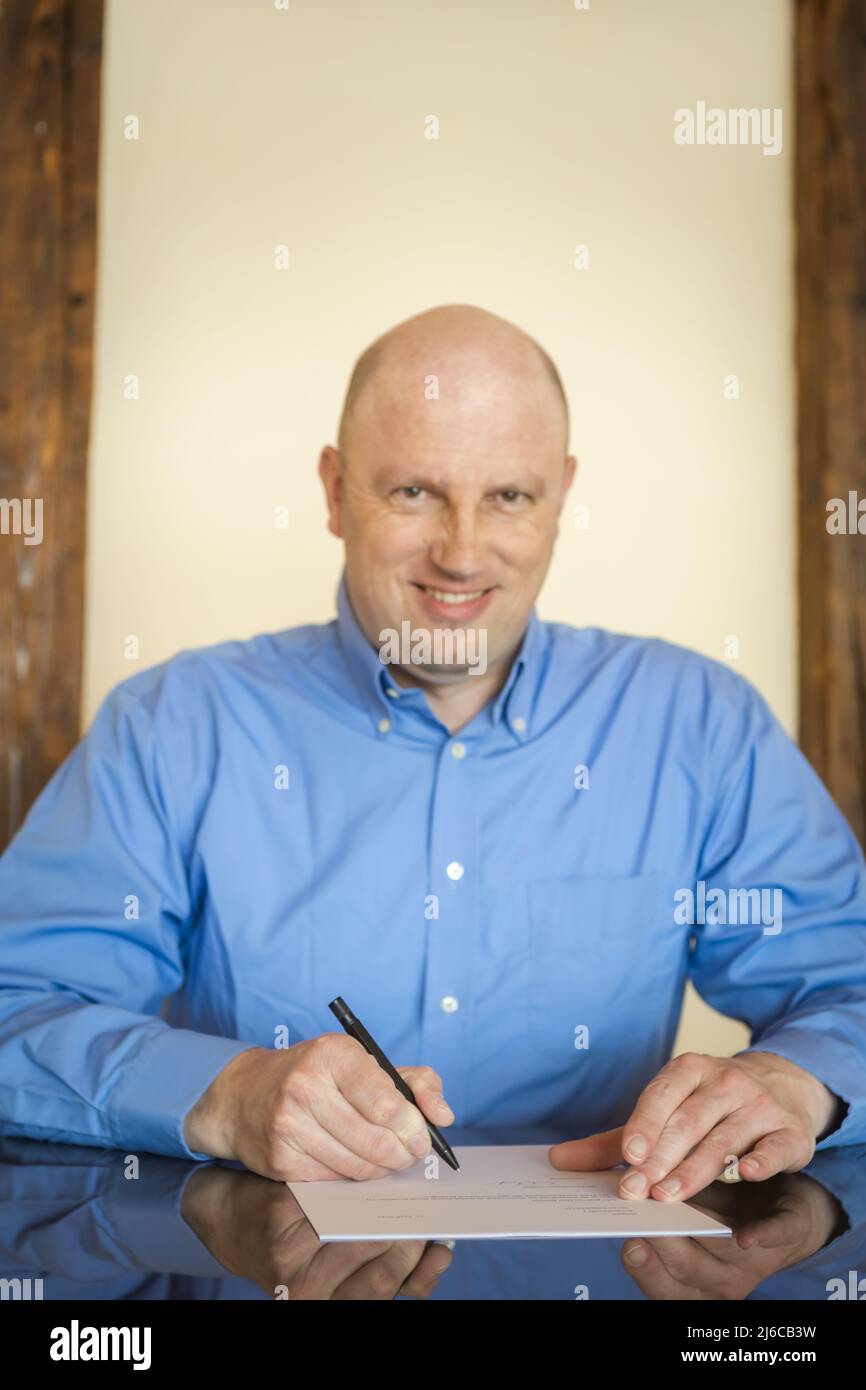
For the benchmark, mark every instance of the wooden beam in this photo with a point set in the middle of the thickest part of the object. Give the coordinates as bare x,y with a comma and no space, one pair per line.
831,368
50,60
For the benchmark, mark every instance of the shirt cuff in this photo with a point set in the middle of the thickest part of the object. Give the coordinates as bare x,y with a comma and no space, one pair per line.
835,1064
158,1087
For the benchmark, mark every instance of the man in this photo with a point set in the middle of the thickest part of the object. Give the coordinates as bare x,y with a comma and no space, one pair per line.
487,857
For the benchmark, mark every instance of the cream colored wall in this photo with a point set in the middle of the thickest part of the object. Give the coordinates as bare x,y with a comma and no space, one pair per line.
261,127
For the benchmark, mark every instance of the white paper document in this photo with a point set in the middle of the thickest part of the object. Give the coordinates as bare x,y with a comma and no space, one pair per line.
512,1191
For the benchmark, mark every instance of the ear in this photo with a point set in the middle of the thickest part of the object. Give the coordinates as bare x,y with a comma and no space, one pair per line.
568,479
331,474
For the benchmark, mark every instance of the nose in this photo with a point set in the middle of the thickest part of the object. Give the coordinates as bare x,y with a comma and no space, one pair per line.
457,548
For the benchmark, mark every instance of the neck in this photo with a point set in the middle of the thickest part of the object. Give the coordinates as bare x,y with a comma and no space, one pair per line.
456,703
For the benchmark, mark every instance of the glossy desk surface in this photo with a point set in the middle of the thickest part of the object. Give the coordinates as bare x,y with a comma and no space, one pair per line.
79,1220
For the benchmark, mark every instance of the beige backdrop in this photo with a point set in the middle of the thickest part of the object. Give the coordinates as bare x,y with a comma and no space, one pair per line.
307,128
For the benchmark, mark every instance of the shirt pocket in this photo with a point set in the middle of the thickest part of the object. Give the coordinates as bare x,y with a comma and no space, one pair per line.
599,950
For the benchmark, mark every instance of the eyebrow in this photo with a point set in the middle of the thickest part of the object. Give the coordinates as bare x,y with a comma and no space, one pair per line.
405,476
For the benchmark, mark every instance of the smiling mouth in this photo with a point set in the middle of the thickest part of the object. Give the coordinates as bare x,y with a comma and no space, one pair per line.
451,595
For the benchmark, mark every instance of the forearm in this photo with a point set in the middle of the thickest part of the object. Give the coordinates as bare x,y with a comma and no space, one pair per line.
96,1074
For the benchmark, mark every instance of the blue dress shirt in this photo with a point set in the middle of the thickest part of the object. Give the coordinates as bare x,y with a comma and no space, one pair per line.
250,829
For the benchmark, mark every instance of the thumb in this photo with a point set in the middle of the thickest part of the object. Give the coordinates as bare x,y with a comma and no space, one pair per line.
426,1087
589,1155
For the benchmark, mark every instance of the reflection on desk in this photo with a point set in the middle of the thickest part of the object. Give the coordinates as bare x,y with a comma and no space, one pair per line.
79,1220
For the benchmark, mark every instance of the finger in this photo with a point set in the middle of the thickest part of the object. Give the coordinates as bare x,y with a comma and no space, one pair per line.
427,1273
308,1151
334,1132
382,1279
707,1160
732,1136
426,1086
684,1269
684,1256
371,1094
658,1101
646,1268
293,1165
785,1150
696,1117
721,1248
424,1076
596,1152
298,1149
770,1232
330,1265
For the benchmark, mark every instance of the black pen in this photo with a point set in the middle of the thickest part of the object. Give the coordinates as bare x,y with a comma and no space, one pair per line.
355,1028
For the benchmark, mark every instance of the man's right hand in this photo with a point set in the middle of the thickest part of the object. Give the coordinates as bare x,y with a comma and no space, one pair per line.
321,1109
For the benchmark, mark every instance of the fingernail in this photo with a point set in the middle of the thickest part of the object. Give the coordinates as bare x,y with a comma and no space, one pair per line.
633,1185
445,1107
636,1255
636,1150
419,1144
670,1186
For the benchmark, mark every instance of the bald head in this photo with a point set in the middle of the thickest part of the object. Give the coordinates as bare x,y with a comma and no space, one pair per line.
447,489
456,352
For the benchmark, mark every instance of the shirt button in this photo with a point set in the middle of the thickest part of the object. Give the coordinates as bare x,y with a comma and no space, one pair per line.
519,724
455,870
449,1004
384,726
389,690
458,750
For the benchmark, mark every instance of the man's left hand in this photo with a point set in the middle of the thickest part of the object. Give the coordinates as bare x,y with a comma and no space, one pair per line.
701,1111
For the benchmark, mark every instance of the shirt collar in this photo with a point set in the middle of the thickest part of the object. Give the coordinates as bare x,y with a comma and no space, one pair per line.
513,705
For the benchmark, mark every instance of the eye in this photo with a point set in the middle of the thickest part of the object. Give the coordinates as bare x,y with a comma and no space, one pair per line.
511,496
411,492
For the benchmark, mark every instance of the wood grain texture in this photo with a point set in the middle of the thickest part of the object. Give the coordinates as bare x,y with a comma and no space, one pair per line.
831,370
50,62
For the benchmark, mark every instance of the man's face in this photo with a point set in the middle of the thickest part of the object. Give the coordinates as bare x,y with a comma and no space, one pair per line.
449,511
